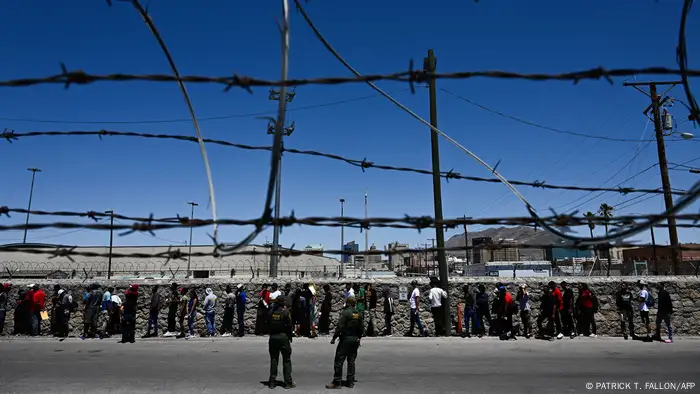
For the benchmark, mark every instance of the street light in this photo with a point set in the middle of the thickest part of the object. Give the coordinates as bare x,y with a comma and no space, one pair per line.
342,237
111,238
29,207
687,136
189,254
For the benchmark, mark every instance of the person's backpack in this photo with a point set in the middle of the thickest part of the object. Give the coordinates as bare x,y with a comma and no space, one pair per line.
650,301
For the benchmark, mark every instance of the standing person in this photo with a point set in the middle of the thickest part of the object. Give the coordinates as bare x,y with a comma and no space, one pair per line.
469,312
4,299
567,311
371,302
623,302
279,322
210,311
548,306
324,324
106,306
360,300
264,301
192,313
349,329
173,302
275,292
313,310
414,302
388,310
241,300
644,303
131,299
303,318
229,310
184,302
153,313
54,306
107,313
505,310
435,296
38,305
349,293
21,314
587,303
523,299
93,303
664,313
116,313
560,305
482,310
63,312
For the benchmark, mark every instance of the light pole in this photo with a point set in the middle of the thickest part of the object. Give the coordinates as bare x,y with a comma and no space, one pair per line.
29,207
342,236
111,238
189,254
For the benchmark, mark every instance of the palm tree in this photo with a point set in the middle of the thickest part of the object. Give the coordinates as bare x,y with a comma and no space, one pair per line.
590,216
606,212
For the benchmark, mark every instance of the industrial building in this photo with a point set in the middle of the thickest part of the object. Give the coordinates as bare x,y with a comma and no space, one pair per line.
133,262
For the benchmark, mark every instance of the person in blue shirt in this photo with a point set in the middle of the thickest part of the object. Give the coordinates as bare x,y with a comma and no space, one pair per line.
241,300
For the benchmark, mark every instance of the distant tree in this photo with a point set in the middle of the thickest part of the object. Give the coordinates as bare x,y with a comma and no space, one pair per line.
606,212
591,226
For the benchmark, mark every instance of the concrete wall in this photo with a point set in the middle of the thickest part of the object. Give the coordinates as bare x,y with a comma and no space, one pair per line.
685,292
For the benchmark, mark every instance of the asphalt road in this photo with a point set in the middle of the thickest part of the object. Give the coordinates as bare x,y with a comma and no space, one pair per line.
399,365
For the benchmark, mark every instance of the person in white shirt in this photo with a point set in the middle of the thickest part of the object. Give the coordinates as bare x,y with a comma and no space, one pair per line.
275,292
436,308
349,293
643,308
414,302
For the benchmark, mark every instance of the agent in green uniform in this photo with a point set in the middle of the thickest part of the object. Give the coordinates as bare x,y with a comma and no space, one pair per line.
279,321
349,329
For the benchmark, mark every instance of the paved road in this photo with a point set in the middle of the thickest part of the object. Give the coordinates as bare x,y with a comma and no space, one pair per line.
405,365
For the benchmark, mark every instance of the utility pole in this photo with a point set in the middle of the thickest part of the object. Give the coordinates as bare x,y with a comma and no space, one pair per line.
364,263
275,95
111,239
430,66
653,246
466,245
656,102
342,236
189,254
29,207
433,241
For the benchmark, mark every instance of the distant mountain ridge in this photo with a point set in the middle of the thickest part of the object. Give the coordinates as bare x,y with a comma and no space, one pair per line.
519,234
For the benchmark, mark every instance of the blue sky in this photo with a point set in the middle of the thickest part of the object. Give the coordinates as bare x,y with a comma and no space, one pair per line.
138,177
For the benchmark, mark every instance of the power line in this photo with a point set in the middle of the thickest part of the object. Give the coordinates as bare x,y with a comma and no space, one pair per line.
540,126
187,120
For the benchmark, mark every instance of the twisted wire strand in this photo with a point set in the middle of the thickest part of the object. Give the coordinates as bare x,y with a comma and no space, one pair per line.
177,254
364,164
151,224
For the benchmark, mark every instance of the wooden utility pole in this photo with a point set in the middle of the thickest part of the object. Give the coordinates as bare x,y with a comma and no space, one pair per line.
430,66
276,95
655,107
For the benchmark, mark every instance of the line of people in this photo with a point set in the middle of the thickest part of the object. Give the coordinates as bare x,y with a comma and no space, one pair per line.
561,313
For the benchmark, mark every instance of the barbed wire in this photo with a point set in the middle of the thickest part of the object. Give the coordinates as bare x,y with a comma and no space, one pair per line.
80,77
559,225
151,224
364,164
178,254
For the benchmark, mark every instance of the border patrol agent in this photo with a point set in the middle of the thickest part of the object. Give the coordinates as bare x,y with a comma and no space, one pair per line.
349,329
279,321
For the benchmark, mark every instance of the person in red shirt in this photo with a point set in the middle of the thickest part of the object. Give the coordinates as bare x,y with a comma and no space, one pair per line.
260,328
586,308
38,304
505,313
556,293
